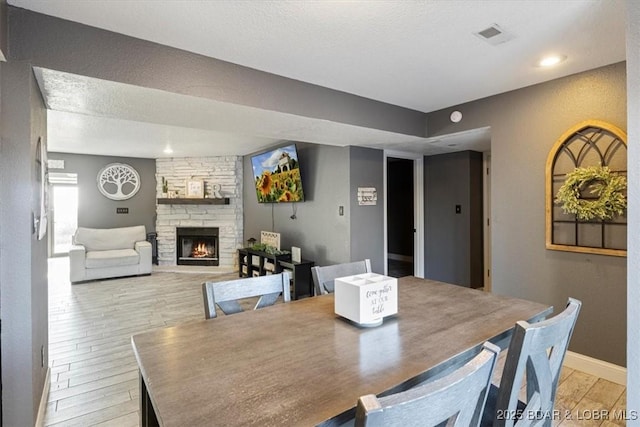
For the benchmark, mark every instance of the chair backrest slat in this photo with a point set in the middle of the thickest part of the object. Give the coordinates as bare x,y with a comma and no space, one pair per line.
457,398
225,294
323,277
538,350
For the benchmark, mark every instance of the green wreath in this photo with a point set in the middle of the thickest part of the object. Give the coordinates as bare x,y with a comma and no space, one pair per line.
608,190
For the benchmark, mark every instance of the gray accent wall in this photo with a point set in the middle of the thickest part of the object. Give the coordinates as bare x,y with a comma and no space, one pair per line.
319,230
524,126
367,222
633,215
94,209
330,178
67,46
453,241
23,258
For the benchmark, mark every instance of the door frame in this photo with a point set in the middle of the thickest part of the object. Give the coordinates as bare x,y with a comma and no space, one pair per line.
486,201
52,219
418,209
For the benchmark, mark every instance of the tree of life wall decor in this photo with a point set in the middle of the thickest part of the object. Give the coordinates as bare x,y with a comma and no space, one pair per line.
118,181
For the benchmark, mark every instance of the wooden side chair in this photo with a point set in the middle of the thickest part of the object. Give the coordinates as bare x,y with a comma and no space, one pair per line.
226,294
323,277
456,399
538,350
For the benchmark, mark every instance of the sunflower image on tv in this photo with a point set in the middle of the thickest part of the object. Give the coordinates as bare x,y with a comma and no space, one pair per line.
277,176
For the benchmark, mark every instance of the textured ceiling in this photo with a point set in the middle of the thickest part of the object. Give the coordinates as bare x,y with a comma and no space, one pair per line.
417,54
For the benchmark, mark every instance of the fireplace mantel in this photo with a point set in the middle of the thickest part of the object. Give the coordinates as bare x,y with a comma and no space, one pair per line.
185,201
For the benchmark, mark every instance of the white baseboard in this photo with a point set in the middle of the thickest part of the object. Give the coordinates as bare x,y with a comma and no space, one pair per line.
44,399
398,257
599,368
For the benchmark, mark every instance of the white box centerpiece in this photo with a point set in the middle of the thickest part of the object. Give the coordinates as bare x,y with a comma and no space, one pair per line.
366,298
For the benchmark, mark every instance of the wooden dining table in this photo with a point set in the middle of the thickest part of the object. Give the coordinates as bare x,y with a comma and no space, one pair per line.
300,364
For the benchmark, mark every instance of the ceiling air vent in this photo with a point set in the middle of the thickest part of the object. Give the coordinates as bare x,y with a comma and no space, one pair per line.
494,35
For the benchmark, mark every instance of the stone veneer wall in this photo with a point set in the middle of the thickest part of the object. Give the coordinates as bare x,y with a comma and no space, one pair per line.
226,171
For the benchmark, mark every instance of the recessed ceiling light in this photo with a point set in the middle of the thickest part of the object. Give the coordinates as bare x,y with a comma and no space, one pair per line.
551,60
168,150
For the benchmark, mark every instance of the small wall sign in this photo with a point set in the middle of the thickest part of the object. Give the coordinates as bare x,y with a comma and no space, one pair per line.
55,164
367,196
296,254
194,189
270,238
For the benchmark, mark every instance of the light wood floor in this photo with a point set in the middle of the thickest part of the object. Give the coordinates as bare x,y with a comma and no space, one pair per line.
94,376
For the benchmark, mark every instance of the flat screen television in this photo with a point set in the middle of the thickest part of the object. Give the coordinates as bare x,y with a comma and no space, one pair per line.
276,175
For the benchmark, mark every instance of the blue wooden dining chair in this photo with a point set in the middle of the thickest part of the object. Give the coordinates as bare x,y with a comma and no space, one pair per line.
323,277
456,399
536,350
226,294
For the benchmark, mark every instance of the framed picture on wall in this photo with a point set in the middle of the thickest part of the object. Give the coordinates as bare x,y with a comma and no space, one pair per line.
42,190
195,189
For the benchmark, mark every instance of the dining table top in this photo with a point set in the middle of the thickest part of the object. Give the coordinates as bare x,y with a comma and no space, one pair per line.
298,363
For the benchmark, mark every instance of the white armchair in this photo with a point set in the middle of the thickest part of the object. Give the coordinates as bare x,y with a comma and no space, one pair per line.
110,252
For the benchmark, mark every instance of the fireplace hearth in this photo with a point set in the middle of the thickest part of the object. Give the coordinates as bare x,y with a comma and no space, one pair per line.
197,246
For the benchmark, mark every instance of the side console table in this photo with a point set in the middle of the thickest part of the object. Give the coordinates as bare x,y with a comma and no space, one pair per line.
300,275
256,263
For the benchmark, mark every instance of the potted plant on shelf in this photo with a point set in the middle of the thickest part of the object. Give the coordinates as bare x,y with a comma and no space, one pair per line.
165,188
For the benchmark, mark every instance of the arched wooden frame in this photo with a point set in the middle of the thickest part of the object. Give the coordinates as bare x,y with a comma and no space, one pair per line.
590,143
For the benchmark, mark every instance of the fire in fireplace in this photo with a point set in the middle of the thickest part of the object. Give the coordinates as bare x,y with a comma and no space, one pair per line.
197,246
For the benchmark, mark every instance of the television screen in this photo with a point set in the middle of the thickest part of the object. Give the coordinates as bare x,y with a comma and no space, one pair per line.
277,175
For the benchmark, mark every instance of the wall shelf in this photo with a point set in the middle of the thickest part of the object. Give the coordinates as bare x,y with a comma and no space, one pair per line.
185,201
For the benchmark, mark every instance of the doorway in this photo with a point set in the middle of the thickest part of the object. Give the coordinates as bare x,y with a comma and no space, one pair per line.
404,213
64,212
400,217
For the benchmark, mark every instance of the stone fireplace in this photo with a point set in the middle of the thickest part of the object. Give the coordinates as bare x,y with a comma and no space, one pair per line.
197,246
185,214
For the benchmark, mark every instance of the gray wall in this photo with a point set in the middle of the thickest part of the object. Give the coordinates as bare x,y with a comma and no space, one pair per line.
95,210
453,242
633,215
23,258
367,231
319,231
330,178
62,45
524,126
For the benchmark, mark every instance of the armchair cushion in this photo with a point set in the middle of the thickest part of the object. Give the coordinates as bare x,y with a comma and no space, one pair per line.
112,258
96,239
